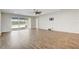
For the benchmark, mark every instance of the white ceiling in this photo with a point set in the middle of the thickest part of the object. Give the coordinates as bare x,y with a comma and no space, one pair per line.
28,12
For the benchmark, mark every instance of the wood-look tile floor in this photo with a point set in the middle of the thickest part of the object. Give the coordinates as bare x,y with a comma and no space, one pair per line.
38,39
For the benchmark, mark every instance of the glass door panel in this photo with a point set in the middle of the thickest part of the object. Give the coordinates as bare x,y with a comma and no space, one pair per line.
19,23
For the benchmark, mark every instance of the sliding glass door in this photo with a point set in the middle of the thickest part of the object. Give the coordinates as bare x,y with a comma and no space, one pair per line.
18,23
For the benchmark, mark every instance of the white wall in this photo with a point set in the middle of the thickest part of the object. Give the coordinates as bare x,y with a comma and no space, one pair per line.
37,22
33,22
0,23
6,22
64,20
29,23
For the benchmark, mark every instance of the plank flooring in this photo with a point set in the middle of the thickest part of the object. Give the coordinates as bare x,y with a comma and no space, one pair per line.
38,39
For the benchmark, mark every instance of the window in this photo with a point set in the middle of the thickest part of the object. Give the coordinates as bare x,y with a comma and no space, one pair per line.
19,22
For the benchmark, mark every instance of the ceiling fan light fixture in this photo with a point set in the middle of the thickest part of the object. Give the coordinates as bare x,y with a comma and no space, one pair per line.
37,12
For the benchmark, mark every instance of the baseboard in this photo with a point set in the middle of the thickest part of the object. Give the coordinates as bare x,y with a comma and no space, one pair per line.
0,34
33,28
62,31
67,32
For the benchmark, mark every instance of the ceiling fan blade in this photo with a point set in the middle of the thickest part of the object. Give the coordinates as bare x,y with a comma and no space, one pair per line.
37,12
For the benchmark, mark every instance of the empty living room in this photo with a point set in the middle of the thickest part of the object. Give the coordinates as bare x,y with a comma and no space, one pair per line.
39,28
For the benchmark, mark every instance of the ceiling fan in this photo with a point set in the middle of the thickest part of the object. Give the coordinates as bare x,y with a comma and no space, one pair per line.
37,12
